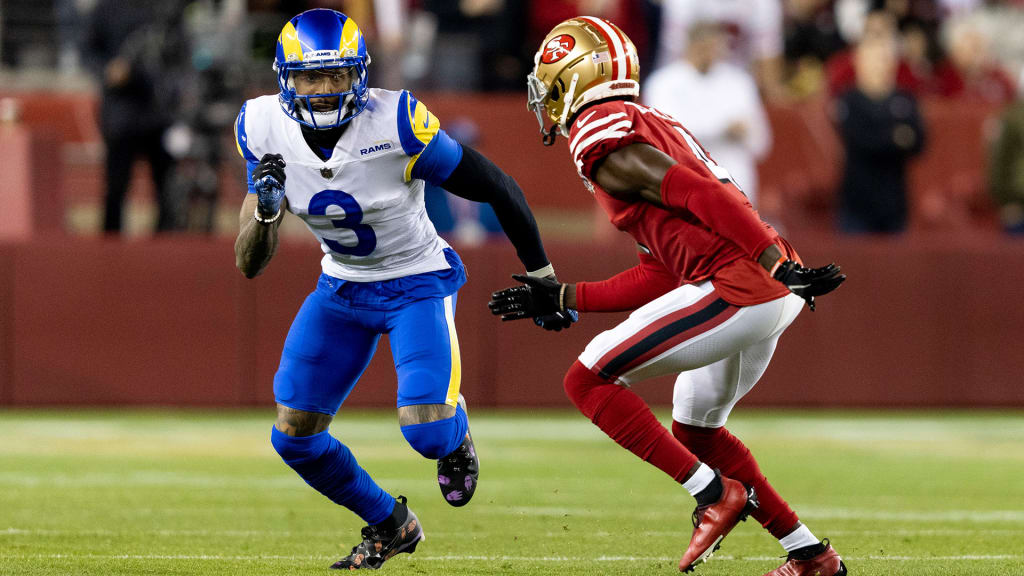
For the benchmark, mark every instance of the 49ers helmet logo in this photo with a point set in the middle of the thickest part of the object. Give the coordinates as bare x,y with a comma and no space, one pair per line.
557,48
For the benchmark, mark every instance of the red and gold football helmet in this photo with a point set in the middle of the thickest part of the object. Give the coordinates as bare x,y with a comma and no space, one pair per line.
581,60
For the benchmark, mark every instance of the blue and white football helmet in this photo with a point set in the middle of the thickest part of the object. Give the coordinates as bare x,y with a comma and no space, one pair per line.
316,40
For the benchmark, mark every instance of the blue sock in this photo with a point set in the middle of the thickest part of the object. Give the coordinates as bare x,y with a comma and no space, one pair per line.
438,439
328,466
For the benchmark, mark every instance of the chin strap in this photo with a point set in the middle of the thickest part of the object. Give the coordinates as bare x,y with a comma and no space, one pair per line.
550,135
567,98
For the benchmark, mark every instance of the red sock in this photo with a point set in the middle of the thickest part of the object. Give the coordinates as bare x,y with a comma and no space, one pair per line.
717,448
624,416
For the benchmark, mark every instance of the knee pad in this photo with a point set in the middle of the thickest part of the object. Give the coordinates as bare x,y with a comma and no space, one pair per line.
299,450
438,439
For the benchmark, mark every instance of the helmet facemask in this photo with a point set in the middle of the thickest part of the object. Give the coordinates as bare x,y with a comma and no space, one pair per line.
537,101
301,107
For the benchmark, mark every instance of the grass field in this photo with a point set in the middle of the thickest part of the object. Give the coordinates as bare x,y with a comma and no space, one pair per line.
169,492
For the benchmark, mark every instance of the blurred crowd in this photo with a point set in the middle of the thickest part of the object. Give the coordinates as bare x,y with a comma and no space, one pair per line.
173,73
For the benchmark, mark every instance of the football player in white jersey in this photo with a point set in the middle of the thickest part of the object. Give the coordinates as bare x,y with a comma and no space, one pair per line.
351,162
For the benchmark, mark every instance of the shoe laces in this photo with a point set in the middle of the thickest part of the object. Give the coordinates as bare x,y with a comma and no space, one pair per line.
372,535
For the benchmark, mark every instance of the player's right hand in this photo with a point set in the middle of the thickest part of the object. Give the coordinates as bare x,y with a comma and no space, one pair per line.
809,282
268,179
558,320
537,297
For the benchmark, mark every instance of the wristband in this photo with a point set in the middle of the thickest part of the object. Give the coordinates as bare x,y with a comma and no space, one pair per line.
261,220
548,270
782,260
561,298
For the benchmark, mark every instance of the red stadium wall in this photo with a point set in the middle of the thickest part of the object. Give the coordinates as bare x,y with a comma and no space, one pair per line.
923,321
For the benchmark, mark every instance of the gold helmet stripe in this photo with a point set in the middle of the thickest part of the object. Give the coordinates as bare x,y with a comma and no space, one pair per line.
290,44
349,44
620,66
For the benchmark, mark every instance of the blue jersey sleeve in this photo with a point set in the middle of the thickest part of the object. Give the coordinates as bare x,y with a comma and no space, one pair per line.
433,155
243,149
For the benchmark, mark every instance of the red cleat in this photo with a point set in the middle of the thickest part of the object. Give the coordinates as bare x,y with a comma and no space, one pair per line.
712,523
827,563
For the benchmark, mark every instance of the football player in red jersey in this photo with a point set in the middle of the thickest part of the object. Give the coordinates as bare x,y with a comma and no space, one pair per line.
714,290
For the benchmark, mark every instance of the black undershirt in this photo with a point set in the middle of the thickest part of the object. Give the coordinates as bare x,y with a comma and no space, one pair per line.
320,140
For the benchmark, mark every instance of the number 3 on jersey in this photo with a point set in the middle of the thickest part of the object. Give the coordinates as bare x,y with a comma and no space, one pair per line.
366,239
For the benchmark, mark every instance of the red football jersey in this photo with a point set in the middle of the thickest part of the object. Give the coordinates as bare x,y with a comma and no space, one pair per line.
680,240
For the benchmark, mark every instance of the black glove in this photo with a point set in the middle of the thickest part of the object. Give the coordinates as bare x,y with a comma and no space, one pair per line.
268,179
558,320
809,282
536,298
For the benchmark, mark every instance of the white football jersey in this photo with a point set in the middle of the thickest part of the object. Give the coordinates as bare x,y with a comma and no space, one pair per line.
362,204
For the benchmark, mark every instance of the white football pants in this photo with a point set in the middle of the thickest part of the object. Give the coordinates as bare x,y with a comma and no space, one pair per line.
718,350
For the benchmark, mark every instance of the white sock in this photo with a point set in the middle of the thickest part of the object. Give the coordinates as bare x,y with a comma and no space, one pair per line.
798,538
700,480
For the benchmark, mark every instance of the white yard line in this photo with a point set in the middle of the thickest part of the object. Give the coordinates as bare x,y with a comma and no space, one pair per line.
495,558
482,534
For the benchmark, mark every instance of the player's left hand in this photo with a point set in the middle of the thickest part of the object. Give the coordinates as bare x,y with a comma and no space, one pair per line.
538,298
809,282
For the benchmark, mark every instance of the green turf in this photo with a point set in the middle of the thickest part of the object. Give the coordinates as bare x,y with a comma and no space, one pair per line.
142,492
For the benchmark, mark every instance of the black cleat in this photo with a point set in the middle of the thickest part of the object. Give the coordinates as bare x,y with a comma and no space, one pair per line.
380,544
458,472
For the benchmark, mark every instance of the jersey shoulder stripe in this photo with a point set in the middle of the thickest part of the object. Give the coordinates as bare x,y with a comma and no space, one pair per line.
433,154
602,129
416,125
589,126
254,126
597,131
241,138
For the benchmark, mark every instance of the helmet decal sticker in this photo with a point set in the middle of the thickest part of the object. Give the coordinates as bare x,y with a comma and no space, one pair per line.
557,48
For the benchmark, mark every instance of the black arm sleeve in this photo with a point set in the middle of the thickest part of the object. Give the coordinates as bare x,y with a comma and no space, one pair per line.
477,178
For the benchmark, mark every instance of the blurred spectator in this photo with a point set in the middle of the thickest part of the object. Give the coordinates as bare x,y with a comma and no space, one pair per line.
970,71
881,129
717,102
67,20
879,27
1001,21
811,37
210,90
134,49
920,52
753,29
1006,171
468,45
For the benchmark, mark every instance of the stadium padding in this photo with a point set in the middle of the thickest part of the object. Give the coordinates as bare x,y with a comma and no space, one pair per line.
923,321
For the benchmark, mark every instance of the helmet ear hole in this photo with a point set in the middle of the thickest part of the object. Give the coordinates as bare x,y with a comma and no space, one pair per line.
557,90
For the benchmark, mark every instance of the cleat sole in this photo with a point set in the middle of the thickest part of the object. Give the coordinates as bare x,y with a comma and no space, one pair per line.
705,556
